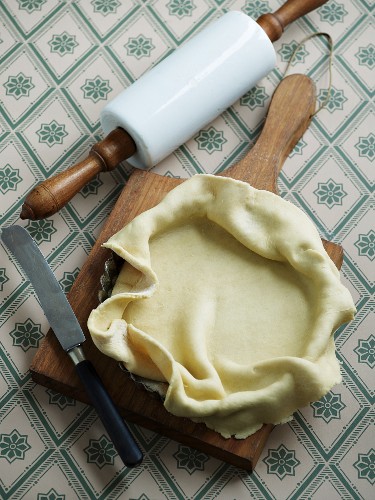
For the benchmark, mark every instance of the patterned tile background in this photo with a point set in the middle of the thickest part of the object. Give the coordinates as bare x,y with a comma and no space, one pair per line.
60,62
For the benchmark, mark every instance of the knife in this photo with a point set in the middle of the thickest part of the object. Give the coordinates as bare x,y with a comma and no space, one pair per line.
70,335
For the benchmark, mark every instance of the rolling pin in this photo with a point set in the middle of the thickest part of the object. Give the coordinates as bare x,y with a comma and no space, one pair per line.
171,102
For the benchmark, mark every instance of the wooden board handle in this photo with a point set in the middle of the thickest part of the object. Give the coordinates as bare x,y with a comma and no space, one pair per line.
288,117
51,195
274,24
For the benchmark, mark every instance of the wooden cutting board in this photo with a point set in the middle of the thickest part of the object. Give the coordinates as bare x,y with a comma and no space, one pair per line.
288,117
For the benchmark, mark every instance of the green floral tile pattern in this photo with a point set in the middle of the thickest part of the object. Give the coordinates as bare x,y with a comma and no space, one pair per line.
210,140
328,407
254,98
60,400
336,99
289,50
9,178
13,446
365,466
333,12
19,86
189,459
31,5
26,335
100,452
180,8
60,63
366,244
281,462
96,89
330,193
105,7
140,46
52,133
63,44
366,56
256,8
366,351
366,146
51,495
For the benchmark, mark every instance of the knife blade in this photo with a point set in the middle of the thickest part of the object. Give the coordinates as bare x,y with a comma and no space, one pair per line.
70,335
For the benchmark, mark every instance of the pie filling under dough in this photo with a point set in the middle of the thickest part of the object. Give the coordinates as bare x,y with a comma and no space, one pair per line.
228,295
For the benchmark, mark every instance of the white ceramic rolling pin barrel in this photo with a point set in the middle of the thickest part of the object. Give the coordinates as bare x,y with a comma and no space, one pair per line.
191,87
175,99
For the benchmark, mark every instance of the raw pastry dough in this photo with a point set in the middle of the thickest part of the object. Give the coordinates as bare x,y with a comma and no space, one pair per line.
228,295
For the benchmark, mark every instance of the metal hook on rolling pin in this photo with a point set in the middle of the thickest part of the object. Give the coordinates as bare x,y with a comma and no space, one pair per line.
174,100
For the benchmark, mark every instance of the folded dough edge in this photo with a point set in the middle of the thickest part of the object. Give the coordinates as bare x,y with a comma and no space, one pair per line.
268,391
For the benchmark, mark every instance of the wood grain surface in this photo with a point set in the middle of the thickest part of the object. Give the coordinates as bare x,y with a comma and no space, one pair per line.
288,117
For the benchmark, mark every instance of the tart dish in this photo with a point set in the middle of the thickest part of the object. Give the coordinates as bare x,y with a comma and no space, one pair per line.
228,296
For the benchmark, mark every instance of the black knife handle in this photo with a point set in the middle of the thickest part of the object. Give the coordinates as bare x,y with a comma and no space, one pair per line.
113,422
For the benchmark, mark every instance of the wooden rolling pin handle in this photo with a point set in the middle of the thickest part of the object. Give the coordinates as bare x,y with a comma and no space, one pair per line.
274,24
51,195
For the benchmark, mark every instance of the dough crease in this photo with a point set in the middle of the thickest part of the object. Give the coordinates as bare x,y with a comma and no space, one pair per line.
228,296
